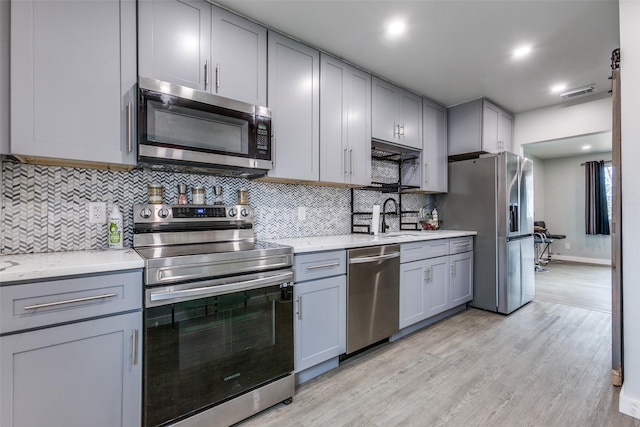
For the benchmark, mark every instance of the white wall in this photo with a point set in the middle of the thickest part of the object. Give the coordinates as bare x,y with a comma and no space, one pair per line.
564,200
630,175
539,210
561,121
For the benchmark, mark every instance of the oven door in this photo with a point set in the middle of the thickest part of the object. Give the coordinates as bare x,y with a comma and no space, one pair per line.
207,344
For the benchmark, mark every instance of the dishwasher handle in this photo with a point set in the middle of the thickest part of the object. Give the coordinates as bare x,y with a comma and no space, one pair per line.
364,260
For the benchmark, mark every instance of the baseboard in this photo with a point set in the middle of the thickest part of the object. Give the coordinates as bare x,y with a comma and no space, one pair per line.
628,406
581,259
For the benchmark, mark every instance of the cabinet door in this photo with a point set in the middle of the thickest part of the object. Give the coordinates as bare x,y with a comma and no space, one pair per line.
334,146
320,326
359,126
82,374
461,278
490,123
434,150
505,131
413,293
293,98
345,123
410,119
239,58
383,111
174,41
73,79
438,293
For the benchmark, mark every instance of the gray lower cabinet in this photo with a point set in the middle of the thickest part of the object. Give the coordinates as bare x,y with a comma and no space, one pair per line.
320,312
345,123
195,44
82,374
479,126
293,96
73,81
71,351
435,276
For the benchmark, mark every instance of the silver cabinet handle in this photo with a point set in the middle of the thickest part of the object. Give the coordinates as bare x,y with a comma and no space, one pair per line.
426,173
273,150
69,301
314,267
351,161
129,126
134,347
396,132
364,260
344,158
401,133
206,74
453,269
300,307
217,77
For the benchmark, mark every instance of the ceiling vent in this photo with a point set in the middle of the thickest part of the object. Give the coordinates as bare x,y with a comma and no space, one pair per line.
579,91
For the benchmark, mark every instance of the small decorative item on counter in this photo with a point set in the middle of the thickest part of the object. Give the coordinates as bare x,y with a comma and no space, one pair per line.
182,194
435,223
243,196
217,191
428,217
197,195
115,228
156,194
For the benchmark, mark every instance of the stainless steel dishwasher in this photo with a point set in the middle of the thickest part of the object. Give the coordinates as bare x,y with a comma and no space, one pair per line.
373,294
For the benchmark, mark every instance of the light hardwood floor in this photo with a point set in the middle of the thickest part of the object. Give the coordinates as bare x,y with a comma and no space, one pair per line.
546,364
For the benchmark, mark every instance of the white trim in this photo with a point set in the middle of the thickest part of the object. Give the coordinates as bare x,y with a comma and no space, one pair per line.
581,259
628,406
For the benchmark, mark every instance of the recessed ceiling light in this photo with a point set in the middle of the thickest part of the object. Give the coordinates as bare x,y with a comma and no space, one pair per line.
396,27
522,51
586,147
558,88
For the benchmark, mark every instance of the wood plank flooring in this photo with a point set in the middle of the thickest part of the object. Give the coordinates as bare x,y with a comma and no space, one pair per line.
580,285
546,364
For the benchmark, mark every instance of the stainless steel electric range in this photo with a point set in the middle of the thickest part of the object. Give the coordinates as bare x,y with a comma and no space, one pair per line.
218,315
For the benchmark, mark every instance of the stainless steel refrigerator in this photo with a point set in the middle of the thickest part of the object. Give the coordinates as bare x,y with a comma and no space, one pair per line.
493,195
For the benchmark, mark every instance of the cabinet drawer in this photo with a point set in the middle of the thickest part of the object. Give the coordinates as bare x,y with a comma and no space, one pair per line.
460,244
319,264
415,251
38,304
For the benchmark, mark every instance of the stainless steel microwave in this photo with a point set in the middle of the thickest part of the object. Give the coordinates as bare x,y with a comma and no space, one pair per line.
181,128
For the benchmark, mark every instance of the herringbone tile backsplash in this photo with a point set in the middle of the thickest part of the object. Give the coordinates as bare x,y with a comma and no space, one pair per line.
45,208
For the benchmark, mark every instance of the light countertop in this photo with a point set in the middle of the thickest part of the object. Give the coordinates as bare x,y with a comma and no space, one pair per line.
48,265
348,241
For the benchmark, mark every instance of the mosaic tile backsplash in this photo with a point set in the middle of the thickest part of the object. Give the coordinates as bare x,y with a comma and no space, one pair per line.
45,208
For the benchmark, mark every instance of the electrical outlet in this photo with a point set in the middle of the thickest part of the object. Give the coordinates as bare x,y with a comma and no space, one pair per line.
97,212
302,213
567,246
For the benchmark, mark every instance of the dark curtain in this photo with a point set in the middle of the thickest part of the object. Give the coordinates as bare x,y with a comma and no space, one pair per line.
596,212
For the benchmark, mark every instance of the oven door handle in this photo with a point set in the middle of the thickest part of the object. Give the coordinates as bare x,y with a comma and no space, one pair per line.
211,289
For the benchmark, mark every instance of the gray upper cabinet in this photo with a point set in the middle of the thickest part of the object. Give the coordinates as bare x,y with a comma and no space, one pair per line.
396,115
195,44
174,41
73,80
295,108
345,123
479,126
434,149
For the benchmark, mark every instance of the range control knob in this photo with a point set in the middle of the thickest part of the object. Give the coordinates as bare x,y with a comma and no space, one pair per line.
244,212
233,212
163,213
145,213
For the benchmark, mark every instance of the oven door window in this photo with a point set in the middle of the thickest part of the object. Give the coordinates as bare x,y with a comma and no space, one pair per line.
183,126
202,352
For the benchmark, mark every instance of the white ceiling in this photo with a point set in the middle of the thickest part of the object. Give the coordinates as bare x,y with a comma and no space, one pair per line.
458,50
567,147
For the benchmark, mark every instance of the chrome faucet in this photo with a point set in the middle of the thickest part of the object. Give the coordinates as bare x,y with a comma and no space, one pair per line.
384,224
